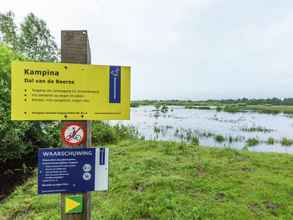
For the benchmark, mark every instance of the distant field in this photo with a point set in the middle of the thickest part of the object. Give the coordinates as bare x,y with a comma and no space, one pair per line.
232,106
166,180
271,108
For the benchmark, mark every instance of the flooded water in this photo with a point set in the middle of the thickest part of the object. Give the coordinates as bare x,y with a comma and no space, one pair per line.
181,124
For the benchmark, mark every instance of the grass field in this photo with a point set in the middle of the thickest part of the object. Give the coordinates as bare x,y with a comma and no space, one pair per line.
166,180
271,108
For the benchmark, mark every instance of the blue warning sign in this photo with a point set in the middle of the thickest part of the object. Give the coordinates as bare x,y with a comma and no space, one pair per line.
72,170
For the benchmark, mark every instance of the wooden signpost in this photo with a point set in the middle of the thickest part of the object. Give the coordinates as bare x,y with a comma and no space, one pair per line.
75,48
75,93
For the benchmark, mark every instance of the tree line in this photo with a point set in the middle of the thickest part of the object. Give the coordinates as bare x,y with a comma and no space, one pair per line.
271,101
31,40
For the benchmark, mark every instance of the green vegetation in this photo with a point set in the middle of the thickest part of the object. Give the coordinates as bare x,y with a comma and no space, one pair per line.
20,140
103,133
187,134
134,105
195,140
198,107
219,138
257,129
243,102
165,180
231,108
164,108
252,142
270,141
157,130
32,39
148,179
160,107
270,106
218,108
268,109
286,141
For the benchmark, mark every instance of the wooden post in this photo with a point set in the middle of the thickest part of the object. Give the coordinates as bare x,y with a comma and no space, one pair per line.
75,49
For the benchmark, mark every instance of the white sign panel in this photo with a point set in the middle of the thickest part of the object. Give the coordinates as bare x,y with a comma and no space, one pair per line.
102,162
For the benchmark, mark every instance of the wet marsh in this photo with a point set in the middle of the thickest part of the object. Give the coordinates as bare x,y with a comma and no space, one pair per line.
209,127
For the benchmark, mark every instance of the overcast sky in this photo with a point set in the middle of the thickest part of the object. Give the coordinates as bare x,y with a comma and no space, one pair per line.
186,49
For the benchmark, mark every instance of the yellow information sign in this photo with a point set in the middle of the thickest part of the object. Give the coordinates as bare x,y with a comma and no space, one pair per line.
59,91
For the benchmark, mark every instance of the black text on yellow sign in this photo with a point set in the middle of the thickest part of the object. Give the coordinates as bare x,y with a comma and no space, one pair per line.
58,91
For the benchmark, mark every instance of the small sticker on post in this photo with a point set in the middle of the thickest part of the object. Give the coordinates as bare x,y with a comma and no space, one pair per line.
73,204
115,84
73,133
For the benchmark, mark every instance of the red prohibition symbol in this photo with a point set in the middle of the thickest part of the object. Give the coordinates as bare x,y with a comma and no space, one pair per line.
73,133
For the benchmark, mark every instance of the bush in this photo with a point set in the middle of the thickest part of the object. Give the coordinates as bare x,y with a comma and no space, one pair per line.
164,108
219,108
270,141
231,108
103,133
219,138
252,142
134,105
286,142
17,138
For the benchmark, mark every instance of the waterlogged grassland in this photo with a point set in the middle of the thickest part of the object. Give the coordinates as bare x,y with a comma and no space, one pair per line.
274,109
270,106
239,130
166,180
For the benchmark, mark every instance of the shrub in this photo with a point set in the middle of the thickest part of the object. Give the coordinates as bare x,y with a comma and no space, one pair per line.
231,108
286,141
134,104
103,133
270,141
164,108
252,142
195,140
219,138
219,108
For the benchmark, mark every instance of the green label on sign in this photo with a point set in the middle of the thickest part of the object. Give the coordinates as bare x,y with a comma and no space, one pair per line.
73,204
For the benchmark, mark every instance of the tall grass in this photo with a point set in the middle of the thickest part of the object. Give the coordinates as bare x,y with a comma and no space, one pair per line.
104,133
257,129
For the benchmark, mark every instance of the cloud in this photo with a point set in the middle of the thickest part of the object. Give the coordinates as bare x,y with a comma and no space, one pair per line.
192,49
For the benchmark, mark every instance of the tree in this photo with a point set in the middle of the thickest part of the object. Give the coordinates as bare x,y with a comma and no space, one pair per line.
8,29
33,39
18,139
36,41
